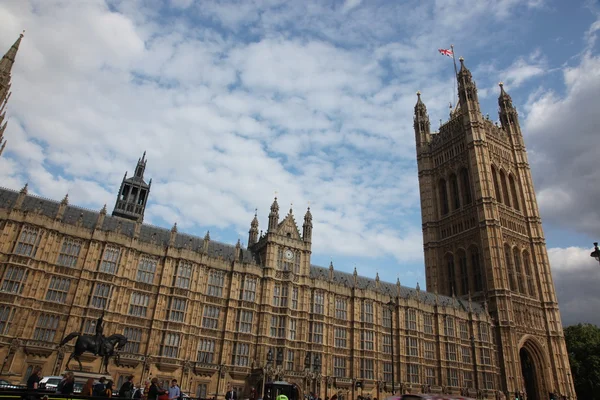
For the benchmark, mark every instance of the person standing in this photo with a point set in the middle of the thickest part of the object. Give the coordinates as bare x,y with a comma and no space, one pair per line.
88,388
34,379
231,394
100,387
126,389
68,386
174,391
154,390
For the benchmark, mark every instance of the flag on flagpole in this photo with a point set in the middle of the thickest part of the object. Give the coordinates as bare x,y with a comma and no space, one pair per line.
446,52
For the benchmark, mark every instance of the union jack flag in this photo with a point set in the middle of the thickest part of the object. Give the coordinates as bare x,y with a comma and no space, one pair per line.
446,52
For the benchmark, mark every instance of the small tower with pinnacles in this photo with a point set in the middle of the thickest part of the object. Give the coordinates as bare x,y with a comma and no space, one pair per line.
133,194
6,65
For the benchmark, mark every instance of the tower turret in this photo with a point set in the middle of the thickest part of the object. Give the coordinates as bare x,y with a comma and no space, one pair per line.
467,90
307,226
253,232
6,65
274,215
133,194
421,123
507,111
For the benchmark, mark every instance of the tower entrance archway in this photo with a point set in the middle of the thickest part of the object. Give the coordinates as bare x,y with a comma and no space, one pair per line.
532,370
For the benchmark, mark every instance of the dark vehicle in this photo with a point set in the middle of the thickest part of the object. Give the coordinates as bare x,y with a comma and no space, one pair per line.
428,397
274,389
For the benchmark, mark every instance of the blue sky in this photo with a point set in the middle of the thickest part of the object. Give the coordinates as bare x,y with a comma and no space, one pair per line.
234,101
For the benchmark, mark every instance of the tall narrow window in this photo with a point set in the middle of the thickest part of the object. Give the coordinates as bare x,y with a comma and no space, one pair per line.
58,290
449,326
340,337
341,307
46,327
528,274
206,351
520,281
241,354
28,242
464,273
170,345
367,312
249,289
146,270
366,340
244,321
476,269
450,273
366,368
210,318
318,302
496,185
101,296
138,304
69,252
339,367
505,193
295,298
6,316
513,190
278,326
466,186
134,339
216,281
110,260
183,275
443,191
455,192
428,323
387,317
316,332
411,319
176,309
14,280
510,268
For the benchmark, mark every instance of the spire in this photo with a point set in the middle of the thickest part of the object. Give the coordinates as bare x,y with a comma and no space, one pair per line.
133,194
6,64
331,270
307,226
467,90
24,190
207,236
274,215
506,111
103,210
65,200
253,232
421,122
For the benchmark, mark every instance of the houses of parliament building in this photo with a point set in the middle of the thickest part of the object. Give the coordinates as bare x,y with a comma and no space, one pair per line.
212,315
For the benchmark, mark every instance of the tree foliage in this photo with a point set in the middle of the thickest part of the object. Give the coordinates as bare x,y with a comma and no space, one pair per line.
583,345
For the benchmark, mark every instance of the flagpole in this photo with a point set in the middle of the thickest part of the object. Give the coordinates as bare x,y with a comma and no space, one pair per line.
455,73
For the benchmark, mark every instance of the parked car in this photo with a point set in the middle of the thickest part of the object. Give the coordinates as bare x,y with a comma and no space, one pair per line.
50,382
4,384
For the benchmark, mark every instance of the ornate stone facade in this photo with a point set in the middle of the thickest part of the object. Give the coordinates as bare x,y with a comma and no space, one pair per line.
483,237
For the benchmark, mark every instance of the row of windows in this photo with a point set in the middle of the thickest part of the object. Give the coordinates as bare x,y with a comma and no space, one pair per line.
464,272
452,194
520,275
502,183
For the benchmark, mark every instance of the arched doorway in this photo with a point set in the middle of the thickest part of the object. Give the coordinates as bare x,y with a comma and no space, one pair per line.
533,360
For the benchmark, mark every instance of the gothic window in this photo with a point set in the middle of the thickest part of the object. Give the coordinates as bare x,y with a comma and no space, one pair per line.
428,323
412,371
367,312
290,360
340,337
6,316
387,317
430,377
58,290
28,242
366,340
339,367
467,379
528,274
183,277
244,321
455,192
484,332
449,326
101,295
387,344
387,372
69,252
295,298
297,262
464,274
450,273
466,354
46,327
366,368
341,308
515,194
206,351
293,328
138,304
485,357
134,339
89,327
429,350
505,193
146,270
318,302
170,345
466,186
452,377
202,391
216,281
450,352
411,319
14,280
496,185
520,281
280,257
316,332
280,295
412,346
476,269
176,309
488,380
510,268
464,332
443,196
210,318
278,327
249,289
110,260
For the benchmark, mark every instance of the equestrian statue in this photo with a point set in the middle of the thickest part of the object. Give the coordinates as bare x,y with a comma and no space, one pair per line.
98,344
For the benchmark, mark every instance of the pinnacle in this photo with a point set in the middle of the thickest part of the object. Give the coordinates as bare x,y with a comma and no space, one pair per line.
24,190
9,58
65,200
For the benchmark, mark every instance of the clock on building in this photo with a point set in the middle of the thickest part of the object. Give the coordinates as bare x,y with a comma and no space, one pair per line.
289,254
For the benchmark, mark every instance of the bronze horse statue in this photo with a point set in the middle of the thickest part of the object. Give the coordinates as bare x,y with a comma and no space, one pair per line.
106,348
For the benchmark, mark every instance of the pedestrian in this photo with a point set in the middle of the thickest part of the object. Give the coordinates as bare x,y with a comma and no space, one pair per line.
126,389
34,379
108,392
68,386
154,391
174,391
231,394
100,387
88,388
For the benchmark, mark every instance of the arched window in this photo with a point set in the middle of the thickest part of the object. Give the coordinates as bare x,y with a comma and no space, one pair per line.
466,186
510,268
476,269
496,186
505,194
515,194
451,274
520,280
455,192
464,273
529,275
443,197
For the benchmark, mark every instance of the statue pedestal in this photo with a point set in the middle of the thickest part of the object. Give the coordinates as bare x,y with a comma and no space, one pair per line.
82,376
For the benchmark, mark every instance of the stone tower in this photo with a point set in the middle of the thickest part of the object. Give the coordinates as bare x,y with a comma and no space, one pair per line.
6,65
483,237
133,194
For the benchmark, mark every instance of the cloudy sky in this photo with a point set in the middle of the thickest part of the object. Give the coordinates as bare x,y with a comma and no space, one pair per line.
235,101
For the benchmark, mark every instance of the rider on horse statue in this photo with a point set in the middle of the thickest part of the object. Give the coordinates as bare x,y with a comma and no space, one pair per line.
99,336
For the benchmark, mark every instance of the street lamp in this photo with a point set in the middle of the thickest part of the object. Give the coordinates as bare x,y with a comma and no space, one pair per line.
265,368
596,253
392,307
